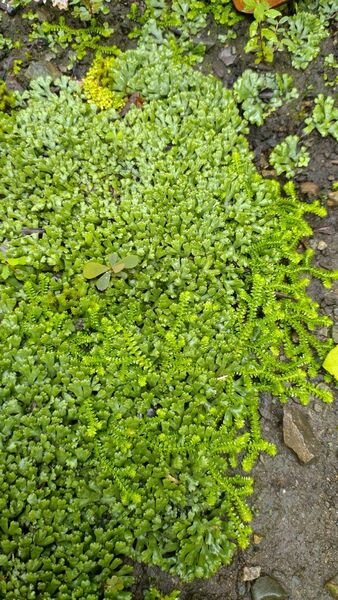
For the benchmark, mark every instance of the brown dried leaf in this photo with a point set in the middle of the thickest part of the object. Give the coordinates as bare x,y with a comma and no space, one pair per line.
134,99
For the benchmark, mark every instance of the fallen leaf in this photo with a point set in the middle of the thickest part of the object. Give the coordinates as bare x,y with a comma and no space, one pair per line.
330,364
134,99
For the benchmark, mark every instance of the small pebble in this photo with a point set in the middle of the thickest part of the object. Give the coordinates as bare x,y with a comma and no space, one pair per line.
333,198
218,69
251,573
321,245
227,55
298,435
323,332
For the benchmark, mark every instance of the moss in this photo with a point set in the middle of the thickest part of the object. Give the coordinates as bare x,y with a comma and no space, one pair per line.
131,415
7,98
97,84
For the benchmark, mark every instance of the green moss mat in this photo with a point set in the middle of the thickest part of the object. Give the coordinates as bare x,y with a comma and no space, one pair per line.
130,416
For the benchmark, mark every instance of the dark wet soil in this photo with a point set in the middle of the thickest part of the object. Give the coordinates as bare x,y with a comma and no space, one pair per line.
294,504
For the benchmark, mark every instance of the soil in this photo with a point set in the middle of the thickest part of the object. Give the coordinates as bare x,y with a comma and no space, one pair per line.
294,504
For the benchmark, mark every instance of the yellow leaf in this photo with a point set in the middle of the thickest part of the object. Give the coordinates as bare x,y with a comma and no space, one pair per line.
331,362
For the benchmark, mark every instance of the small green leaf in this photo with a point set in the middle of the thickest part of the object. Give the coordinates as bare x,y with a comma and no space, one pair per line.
94,269
13,262
113,258
131,261
330,364
103,282
118,267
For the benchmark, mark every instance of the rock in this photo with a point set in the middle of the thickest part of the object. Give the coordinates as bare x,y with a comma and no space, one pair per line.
309,187
227,55
269,173
6,6
332,587
321,245
13,84
323,333
298,434
218,69
268,588
333,199
42,69
251,573
335,334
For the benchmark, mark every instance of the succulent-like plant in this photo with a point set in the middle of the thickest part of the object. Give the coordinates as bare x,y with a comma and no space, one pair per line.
287,156
117,267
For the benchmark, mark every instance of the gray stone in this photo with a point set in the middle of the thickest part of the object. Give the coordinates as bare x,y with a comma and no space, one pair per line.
335,333
268,588
10,10
218,69
42,69
227,55
13,84
251,573
298,434
323,333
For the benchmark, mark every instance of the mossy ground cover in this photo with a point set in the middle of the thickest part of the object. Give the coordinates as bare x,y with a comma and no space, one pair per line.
131,415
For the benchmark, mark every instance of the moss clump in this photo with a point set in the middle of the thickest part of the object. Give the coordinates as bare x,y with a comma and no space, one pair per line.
98,82
126,411
7,98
